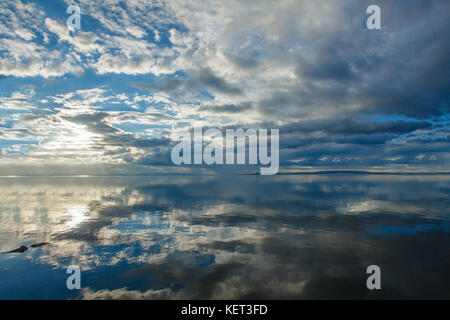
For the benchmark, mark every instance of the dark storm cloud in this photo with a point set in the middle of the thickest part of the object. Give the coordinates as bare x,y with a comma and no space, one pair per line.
292,142
94,121
197,81
347,126
372,139
228,108
136,117
326,63
209,79
404,68
158,157
430,154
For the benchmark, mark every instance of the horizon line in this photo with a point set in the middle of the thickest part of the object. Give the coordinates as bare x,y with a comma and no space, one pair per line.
324,172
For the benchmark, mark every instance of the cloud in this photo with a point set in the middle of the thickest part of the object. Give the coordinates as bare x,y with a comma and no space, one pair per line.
204,79
84,42
25,59
348,126
145,70
218,253
228,108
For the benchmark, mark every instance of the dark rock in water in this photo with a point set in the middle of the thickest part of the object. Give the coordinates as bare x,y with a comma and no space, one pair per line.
40,244
21,249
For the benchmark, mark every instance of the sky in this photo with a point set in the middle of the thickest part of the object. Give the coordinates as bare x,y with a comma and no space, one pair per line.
116,93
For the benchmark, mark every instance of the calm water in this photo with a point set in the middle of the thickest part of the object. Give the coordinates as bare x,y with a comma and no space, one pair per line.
226,237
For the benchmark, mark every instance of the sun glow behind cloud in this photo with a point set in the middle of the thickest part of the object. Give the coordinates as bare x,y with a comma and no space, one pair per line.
72,137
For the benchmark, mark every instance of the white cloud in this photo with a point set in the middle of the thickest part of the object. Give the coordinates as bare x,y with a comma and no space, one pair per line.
85,42
25,34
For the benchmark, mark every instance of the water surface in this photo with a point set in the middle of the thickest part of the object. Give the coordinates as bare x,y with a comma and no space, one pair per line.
226,237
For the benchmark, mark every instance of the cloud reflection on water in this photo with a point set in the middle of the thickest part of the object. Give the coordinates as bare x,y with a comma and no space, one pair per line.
297,236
